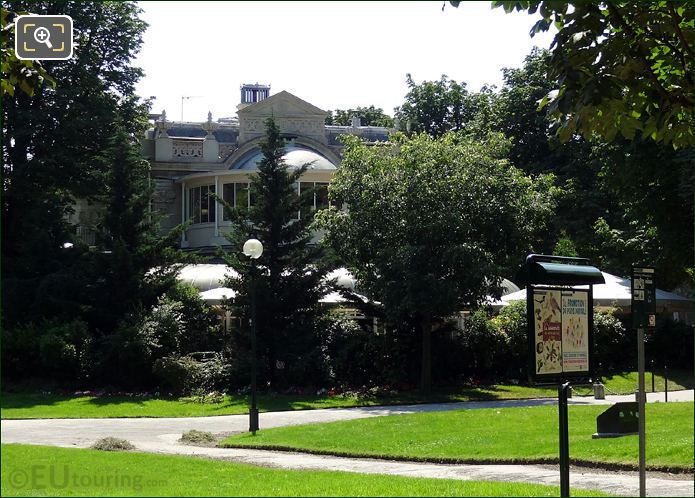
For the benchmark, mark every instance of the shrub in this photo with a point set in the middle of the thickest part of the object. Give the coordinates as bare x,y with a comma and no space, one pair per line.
201,325
112,444
349,350
614,348
163,327
177,374
214,374
51,349
511,322
20,348
130,353
184,375
670,343
485,346
126,355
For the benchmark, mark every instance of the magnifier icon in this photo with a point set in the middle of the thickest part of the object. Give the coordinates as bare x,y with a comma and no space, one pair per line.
42,35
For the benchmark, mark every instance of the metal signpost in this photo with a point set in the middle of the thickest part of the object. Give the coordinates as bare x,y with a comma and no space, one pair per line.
560,331
643,307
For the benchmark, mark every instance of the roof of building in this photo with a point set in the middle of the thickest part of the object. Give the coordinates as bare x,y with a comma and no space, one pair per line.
222,135
295,157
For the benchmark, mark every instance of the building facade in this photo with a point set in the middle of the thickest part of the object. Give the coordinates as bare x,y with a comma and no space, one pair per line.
190,161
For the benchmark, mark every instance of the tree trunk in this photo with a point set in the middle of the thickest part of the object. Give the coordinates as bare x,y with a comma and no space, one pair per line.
426,367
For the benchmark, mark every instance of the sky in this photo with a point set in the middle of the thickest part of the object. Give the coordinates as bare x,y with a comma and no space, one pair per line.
335,55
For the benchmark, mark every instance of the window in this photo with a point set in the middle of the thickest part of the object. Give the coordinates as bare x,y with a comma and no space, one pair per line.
308,199
319,198
237,195
321,195
201,204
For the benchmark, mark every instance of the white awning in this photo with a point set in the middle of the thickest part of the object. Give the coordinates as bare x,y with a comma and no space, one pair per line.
615,292
216,296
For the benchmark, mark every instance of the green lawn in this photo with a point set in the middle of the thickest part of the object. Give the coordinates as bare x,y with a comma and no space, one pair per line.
48,471
625,383
21,405
503,434
28,405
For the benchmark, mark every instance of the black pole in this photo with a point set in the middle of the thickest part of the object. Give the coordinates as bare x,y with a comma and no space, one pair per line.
665,384
253,411
651,364
562,391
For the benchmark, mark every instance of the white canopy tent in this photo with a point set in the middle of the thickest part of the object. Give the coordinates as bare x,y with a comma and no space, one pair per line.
206,276
216,296
209,279
614,293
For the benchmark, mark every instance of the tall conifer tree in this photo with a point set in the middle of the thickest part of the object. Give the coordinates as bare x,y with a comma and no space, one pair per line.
289,277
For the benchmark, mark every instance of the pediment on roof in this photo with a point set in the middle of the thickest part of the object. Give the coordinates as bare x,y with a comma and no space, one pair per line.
281,105
294,116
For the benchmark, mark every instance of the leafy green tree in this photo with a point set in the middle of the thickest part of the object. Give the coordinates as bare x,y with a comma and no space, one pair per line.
623,67
51,140
518,117
369,116
624,202
288,281
535,149
433,223
651,218
565,246
435,107
25,74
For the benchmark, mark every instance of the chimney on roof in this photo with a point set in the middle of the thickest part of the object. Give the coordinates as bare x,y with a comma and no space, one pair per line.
252,93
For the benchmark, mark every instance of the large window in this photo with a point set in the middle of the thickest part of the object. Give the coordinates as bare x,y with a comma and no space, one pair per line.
201,204
319,198
237,195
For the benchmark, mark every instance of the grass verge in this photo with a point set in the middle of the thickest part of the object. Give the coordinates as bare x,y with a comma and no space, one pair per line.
28,405
502,435
48,471
24,406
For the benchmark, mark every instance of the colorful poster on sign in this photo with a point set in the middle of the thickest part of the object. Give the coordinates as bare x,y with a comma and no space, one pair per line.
547,318
575,331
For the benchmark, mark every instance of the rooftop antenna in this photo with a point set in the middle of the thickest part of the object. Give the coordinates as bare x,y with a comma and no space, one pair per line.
187,97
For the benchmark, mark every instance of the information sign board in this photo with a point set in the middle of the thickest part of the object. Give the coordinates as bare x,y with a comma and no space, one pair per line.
561,325
643,302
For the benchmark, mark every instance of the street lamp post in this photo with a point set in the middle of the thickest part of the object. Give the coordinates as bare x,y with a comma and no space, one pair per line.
253,249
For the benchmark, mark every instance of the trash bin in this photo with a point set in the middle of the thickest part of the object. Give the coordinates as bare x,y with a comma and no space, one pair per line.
599,391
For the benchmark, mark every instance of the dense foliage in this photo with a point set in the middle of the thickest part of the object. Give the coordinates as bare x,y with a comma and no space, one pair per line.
369,116
73,312
623,67
623,203
433,223
26,75
436,107
52,142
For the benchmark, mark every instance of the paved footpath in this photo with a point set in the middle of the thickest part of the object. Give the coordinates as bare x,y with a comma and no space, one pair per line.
160,435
